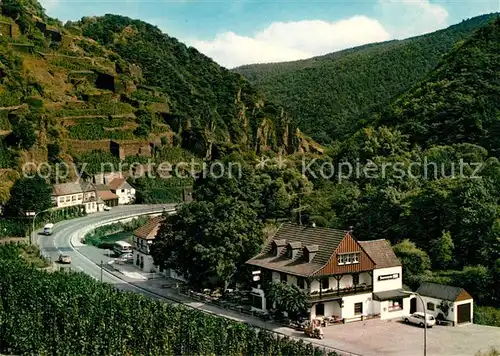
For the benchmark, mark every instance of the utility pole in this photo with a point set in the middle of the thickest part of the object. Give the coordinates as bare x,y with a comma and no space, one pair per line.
425,317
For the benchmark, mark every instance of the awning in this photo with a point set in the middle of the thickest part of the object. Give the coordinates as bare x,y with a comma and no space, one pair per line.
390,294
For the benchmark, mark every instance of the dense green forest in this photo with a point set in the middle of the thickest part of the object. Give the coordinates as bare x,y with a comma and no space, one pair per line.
331,96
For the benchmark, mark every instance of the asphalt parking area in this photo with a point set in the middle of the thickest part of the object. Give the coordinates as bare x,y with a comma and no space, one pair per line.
393,337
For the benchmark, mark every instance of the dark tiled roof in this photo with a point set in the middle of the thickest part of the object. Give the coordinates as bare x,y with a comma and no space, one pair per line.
380,251
87,186
439,291
67,188
149,231
327,241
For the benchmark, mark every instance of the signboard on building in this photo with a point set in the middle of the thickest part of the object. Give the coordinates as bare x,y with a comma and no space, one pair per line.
387,277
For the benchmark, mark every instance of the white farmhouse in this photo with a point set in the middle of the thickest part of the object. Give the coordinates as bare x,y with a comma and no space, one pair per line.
124,191
74,194
458,304
345,279
142,241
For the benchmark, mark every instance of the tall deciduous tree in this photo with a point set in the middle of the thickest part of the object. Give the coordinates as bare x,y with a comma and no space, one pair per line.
415,261
208,242
441,250
29,194
287,298
23,135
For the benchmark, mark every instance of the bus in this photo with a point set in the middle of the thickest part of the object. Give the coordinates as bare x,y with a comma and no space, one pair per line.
121,247
47,229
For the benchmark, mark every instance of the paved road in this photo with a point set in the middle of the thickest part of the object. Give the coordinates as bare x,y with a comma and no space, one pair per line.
66,236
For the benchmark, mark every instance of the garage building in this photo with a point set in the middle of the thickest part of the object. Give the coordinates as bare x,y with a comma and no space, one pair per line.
453,302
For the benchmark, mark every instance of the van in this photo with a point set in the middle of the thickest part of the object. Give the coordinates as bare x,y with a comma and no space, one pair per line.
47,229
121,247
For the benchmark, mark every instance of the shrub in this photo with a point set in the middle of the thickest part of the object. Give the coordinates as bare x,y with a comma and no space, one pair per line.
487,316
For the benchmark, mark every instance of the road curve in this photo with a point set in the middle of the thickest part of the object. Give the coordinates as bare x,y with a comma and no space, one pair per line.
67,234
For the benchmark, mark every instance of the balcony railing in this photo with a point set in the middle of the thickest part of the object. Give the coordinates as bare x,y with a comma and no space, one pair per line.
316,295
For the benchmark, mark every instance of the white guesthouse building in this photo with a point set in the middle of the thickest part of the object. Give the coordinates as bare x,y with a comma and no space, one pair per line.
345,279
77,194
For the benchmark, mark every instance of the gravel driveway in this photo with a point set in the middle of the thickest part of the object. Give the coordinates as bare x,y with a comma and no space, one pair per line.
386,338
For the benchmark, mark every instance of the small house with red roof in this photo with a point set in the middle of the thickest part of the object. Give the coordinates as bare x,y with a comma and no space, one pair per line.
123,189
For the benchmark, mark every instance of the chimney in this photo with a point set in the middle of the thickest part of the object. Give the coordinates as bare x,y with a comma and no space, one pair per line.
351,229
313,224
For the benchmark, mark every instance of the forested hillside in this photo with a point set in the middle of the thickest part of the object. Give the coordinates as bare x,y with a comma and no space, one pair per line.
84,92
331,96
458,101
439,196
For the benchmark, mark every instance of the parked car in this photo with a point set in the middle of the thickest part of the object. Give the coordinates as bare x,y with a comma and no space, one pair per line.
64,259
124,257
107,208
418,319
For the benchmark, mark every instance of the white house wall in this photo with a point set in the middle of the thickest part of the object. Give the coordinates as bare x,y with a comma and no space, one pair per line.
390,284
436,309
331,308
382,308
125,196
348,309
148,263
69,200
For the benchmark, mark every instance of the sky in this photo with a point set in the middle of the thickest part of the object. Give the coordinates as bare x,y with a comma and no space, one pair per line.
235,33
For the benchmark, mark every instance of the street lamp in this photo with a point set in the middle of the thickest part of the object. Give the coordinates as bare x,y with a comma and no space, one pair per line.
425,318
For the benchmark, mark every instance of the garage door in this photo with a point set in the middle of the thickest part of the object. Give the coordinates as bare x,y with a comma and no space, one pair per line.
464,313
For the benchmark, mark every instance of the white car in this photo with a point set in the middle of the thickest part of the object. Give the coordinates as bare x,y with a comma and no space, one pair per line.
107,208
418,319
124,257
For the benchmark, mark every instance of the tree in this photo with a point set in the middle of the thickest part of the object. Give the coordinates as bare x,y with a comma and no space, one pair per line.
415,261
287,297
53,151
23,135
29,194
441,251
209,242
